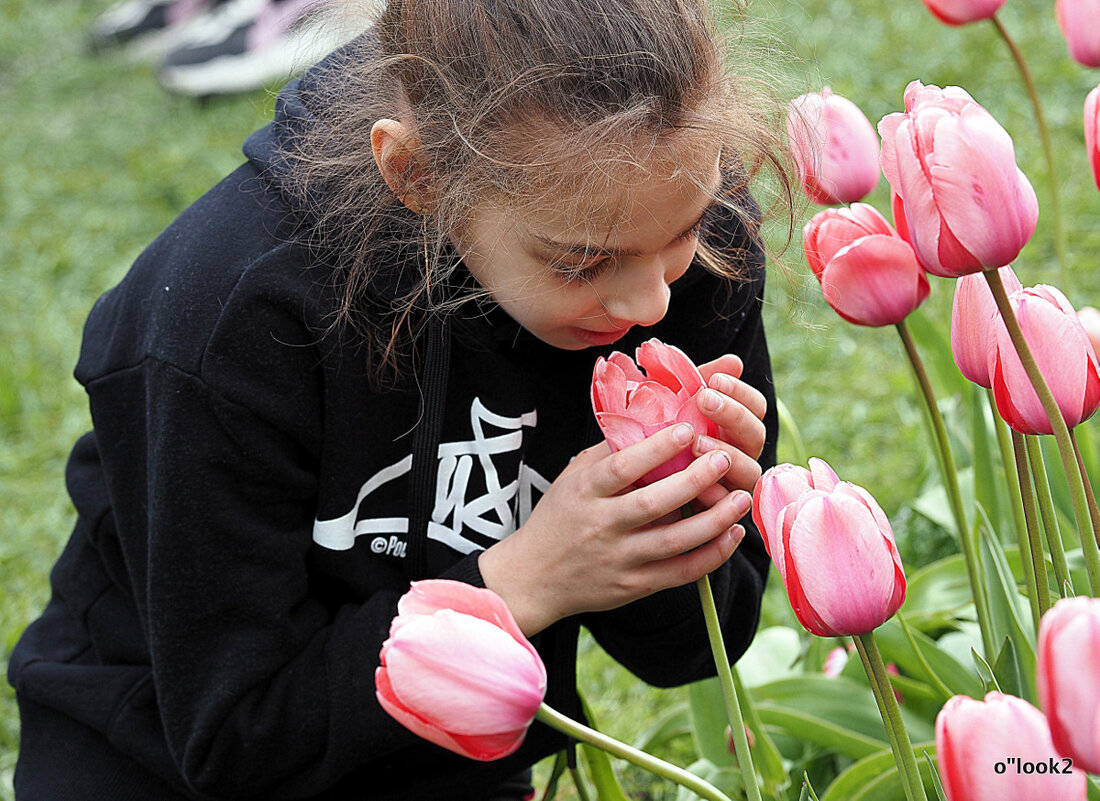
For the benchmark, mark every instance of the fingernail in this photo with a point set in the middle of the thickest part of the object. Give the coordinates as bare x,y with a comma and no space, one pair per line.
742,502
722,382
738,534
712,401
720,460
682,433
705,443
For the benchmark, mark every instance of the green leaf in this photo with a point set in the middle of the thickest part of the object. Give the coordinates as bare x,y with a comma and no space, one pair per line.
772,655
935,350
597,764
985,672
766,757
726,779
807,789
876,778
933,770
709,721
1007,669
1007,613
919,656
673,722
555,776
837,714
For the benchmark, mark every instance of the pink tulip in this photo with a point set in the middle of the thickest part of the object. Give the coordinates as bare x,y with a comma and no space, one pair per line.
965,205
1092,141
1063,353
975,741
835,662
457,671
1090,321
973,315
960,12
1080,24
835,147
832,546
868,274
630,405
1068,675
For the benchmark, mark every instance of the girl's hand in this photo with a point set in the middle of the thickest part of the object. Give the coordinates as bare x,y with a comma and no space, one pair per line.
595,541
738,409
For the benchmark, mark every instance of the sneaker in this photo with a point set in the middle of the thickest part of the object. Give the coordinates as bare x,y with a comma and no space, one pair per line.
148,28
278,41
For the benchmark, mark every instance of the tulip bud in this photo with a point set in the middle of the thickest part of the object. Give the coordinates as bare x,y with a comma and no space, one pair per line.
835,662
966,206
869,275
731,745
1063,353
457,671
973,314
833,547
1092,141
999,749
1090,321
834,146
960,12
1080,24
1068,676
631,405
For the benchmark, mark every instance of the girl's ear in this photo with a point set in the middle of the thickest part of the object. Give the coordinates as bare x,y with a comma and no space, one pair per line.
396,152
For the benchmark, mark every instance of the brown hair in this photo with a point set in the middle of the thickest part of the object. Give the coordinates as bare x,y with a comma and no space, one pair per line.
516,101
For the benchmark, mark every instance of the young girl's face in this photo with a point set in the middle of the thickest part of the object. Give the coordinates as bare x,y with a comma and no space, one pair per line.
583,272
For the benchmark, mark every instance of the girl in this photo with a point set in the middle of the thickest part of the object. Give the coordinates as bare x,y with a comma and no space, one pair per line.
363,359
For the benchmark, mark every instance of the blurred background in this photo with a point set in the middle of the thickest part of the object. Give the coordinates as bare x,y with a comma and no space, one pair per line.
103,144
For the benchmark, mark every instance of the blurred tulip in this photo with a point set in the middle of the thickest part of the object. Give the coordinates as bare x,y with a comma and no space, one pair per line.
960,12
1090,321
457,671
835,147
868,274
630,405
975,741
731,746
1068,675
1092,124
966,205
835,662
1080,24
1063,353
833,548
973,314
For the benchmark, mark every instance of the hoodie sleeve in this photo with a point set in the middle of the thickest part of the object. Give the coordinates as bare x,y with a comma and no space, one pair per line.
662,638
209,437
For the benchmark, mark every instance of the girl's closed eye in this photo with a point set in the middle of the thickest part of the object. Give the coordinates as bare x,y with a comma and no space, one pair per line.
580,267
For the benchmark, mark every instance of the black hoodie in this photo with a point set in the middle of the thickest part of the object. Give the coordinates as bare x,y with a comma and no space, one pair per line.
250,510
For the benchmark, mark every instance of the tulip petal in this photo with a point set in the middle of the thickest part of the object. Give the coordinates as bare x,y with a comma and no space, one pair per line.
629,368
986,202
609,387
653,404
973,317
844,566
670,366
875,281
1067,674
823,476
619,430
496,686
432,595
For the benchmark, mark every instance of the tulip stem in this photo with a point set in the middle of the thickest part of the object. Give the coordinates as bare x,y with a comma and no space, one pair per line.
1012,477
1050,517
1066,450
891,716
578,731
1090,496
1032,559
729,689
949,475
1048,148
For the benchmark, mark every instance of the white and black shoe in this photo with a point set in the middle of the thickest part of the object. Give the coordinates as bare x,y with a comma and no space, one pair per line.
266,41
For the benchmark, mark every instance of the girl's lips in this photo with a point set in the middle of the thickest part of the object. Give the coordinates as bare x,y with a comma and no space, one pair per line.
600,337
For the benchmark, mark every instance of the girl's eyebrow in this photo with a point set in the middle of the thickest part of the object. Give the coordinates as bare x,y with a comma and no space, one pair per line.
569,247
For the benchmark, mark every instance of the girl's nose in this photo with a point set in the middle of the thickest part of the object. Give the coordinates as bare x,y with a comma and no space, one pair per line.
641,293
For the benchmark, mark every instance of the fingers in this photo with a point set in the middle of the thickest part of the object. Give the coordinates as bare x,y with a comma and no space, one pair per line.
738,416
729,364
624,468
668,495
666,541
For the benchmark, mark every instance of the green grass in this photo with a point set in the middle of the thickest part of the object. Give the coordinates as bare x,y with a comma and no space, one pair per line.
97,160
